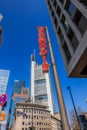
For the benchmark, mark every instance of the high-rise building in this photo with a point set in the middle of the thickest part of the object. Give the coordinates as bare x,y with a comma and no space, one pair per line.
20,94
69,19
4,77
18,84
41,92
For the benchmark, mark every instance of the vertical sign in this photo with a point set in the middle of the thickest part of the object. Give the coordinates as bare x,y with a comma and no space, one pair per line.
43,46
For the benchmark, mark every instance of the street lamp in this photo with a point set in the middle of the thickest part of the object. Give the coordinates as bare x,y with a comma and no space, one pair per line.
74,106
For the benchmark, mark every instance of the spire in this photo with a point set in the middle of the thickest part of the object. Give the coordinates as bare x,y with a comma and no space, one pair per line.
33,56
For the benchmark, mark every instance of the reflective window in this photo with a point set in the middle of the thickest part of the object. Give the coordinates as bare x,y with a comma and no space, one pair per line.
71,8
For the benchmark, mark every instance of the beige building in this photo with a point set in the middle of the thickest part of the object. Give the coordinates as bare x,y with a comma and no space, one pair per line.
55,123
28,114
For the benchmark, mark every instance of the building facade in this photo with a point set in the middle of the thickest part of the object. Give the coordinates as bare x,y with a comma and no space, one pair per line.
83,121
55,123
29,114
41,91
69,19
18,84
20,94
4,77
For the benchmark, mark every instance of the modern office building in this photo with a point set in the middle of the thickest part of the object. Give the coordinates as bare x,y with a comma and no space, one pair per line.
18,84
30,114
4,77
0,35
20,94
69,19
41,86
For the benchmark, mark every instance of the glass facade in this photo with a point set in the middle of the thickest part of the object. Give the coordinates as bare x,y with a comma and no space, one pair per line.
4,77
18,86
40,90
14,102
17,90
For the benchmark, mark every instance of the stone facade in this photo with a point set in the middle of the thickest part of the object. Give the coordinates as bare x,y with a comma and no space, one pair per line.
29,114
69,19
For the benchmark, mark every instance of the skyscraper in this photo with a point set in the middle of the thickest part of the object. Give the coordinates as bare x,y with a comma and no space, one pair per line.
20,94
69,19
40,86
4,77
18,84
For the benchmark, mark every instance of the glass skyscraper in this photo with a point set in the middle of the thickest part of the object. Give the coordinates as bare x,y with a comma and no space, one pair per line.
20,94
41,86
18,84
4,77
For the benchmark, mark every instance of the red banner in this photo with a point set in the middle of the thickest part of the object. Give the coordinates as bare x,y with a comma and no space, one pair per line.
42,45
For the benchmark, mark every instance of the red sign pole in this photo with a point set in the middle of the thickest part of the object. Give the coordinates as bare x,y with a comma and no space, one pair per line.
42,45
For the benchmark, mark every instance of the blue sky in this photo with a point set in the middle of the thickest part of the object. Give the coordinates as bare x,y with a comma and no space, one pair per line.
20,38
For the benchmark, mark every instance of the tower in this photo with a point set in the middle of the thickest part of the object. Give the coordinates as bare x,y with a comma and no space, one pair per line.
20,94
41,86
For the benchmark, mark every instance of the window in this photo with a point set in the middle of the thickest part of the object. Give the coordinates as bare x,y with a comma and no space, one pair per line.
72,38
52,13
41,97
67,52
58,11
65,23
71,8
61,35
26,110
22,123
22,128
61,1
55,21
84,2
54,3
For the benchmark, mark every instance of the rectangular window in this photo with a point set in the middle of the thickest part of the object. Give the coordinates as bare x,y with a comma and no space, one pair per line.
55,22
41,97
54,3
72,38
49,4
22,123
52,12
60,35
61,1
71,9
67,52
83,2
58,11
65,23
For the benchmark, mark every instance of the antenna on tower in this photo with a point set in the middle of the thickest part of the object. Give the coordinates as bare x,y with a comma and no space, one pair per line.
34,54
